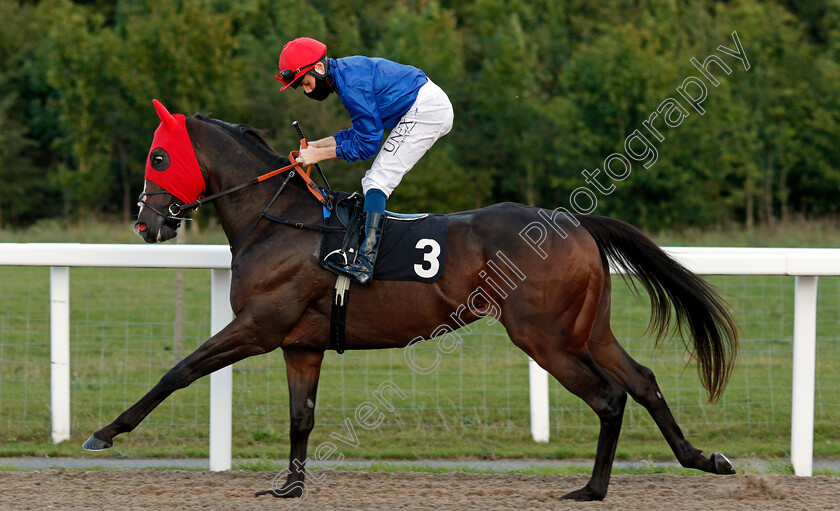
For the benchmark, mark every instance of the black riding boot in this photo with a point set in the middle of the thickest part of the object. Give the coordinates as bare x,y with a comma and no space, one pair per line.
362,270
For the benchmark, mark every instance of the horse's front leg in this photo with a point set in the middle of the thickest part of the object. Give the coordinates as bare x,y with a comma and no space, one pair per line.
233,343
302,371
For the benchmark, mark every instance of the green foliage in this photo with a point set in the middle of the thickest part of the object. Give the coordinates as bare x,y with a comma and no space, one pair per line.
542,90
24,193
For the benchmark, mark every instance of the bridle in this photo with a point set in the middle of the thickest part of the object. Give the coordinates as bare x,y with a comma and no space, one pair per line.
325,197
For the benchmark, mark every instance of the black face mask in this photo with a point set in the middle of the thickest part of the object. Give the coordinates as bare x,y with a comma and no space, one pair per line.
321,91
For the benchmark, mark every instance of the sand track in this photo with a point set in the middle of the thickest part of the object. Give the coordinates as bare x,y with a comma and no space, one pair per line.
149,490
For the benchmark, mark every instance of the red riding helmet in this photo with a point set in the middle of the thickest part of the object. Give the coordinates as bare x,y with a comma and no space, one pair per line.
298,58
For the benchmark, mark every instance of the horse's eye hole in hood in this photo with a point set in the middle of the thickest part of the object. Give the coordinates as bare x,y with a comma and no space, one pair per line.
159,159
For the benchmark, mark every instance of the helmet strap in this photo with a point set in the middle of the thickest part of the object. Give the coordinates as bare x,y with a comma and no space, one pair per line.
326,75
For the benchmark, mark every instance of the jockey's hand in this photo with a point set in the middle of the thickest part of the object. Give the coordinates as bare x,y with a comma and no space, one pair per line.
308,156
312,155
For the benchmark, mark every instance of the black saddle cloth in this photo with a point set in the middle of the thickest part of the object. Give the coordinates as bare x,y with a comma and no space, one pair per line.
413,247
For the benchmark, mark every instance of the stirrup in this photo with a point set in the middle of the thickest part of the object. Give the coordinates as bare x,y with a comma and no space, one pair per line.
361,270
356,271
339,257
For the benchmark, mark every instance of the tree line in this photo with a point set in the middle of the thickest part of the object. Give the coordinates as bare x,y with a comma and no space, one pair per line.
544,91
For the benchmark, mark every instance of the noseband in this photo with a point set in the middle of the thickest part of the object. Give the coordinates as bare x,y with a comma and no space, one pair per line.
172,220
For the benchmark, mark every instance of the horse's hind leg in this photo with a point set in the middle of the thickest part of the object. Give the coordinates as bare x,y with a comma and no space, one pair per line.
569,362
579,373
640,383
558,343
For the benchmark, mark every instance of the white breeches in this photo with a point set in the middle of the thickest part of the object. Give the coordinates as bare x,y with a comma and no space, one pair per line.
428,119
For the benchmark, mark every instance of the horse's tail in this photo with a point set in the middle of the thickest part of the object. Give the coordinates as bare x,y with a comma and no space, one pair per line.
697,304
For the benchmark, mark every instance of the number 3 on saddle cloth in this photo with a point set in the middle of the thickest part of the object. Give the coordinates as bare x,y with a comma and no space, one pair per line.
413,247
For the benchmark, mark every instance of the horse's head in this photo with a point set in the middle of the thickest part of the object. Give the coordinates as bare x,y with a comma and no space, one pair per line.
173,178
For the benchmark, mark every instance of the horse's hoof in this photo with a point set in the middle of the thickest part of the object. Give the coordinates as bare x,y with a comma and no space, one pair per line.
293,491
722,464
95,444
584,494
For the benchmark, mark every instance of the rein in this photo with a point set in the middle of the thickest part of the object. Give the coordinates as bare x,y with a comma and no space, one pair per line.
173,219
312,186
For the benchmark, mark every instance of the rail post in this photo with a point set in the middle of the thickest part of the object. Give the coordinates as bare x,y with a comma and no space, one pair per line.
221,381
538,378
60,352
804,363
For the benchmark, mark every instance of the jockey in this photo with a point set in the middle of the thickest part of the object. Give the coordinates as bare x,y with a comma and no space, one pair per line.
378,94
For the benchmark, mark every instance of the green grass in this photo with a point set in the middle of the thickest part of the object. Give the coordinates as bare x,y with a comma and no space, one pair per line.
474,406
205,230
827,472
795,233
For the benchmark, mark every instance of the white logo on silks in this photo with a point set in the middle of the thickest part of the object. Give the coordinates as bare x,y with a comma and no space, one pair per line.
428,257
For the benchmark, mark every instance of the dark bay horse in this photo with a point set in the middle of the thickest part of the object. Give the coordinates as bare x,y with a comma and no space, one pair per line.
559,314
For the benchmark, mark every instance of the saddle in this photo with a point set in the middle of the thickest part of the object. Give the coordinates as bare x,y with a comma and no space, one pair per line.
413,246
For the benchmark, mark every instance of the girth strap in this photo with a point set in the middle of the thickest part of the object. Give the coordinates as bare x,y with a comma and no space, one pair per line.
338,315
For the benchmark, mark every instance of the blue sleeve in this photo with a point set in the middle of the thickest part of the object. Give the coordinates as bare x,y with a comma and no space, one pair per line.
361,141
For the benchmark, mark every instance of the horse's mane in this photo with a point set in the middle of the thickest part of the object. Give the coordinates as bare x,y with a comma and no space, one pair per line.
253,140
249,136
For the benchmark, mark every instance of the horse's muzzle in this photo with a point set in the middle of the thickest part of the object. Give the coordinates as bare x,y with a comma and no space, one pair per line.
142,229
155,230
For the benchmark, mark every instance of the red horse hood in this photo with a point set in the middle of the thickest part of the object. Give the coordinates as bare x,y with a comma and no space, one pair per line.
182,177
